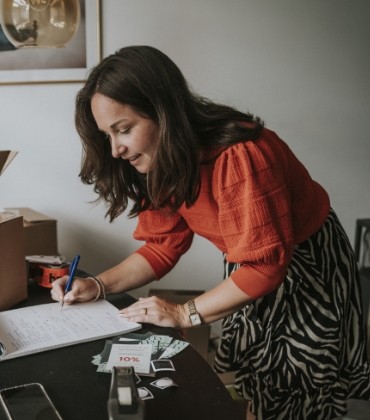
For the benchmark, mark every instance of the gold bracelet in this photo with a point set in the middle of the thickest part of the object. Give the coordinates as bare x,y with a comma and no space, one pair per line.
99,293
102,293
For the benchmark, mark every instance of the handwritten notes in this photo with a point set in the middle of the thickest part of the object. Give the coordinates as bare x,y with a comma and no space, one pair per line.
43,327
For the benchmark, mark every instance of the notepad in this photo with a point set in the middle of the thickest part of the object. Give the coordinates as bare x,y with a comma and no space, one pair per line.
43,327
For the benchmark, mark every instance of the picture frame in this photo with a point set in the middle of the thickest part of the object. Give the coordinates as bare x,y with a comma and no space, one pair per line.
86,45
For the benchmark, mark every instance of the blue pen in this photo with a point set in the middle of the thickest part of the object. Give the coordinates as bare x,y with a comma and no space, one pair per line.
72,270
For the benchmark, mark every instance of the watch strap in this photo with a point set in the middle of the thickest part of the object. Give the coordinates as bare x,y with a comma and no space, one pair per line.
193,314
192,308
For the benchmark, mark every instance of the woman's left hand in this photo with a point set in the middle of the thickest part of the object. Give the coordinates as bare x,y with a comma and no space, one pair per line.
154,310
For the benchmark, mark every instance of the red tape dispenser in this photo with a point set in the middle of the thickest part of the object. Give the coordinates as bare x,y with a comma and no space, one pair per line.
45,274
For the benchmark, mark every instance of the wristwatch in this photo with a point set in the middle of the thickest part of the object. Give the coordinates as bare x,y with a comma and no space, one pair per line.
193,314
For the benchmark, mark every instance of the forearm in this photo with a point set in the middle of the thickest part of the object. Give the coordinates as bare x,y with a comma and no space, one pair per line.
130,274
219,302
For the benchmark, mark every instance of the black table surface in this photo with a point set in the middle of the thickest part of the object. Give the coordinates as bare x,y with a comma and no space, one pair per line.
81,393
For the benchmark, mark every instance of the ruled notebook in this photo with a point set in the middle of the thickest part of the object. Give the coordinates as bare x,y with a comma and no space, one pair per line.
44,327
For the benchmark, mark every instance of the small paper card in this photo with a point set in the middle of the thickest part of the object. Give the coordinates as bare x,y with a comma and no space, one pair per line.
144,393
163,364
163,383
136,355
174,348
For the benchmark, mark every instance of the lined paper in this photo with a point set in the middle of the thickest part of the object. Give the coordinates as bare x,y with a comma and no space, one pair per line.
44,327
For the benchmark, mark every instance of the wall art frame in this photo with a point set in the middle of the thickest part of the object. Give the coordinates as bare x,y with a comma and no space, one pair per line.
88,41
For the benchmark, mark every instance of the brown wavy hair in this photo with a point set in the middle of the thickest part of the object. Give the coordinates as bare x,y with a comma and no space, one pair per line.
148,81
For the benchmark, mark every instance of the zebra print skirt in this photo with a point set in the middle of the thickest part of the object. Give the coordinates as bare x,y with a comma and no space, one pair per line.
300,351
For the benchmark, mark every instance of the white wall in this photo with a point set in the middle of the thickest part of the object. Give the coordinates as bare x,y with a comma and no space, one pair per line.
303,66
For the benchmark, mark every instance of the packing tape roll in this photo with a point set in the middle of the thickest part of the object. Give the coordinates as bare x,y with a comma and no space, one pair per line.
45,274
124,395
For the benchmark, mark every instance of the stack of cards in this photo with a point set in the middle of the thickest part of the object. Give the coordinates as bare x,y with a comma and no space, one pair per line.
147,353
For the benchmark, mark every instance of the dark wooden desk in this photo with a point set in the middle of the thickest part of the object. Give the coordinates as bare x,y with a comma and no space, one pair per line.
81,393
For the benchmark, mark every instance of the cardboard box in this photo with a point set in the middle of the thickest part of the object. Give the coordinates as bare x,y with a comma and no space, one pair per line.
40,231
13,278
198,337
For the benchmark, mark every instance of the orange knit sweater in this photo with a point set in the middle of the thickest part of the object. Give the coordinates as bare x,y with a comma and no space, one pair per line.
257,201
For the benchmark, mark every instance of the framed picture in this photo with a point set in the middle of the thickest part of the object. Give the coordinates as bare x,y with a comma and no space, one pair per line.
55,65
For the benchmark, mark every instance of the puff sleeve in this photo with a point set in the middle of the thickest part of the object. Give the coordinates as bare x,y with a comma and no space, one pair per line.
167,238
255,220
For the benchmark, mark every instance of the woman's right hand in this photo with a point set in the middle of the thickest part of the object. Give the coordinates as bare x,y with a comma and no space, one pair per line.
82,290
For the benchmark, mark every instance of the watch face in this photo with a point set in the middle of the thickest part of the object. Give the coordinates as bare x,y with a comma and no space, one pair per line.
195,319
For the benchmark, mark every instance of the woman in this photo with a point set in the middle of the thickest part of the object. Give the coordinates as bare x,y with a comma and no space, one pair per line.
290,301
